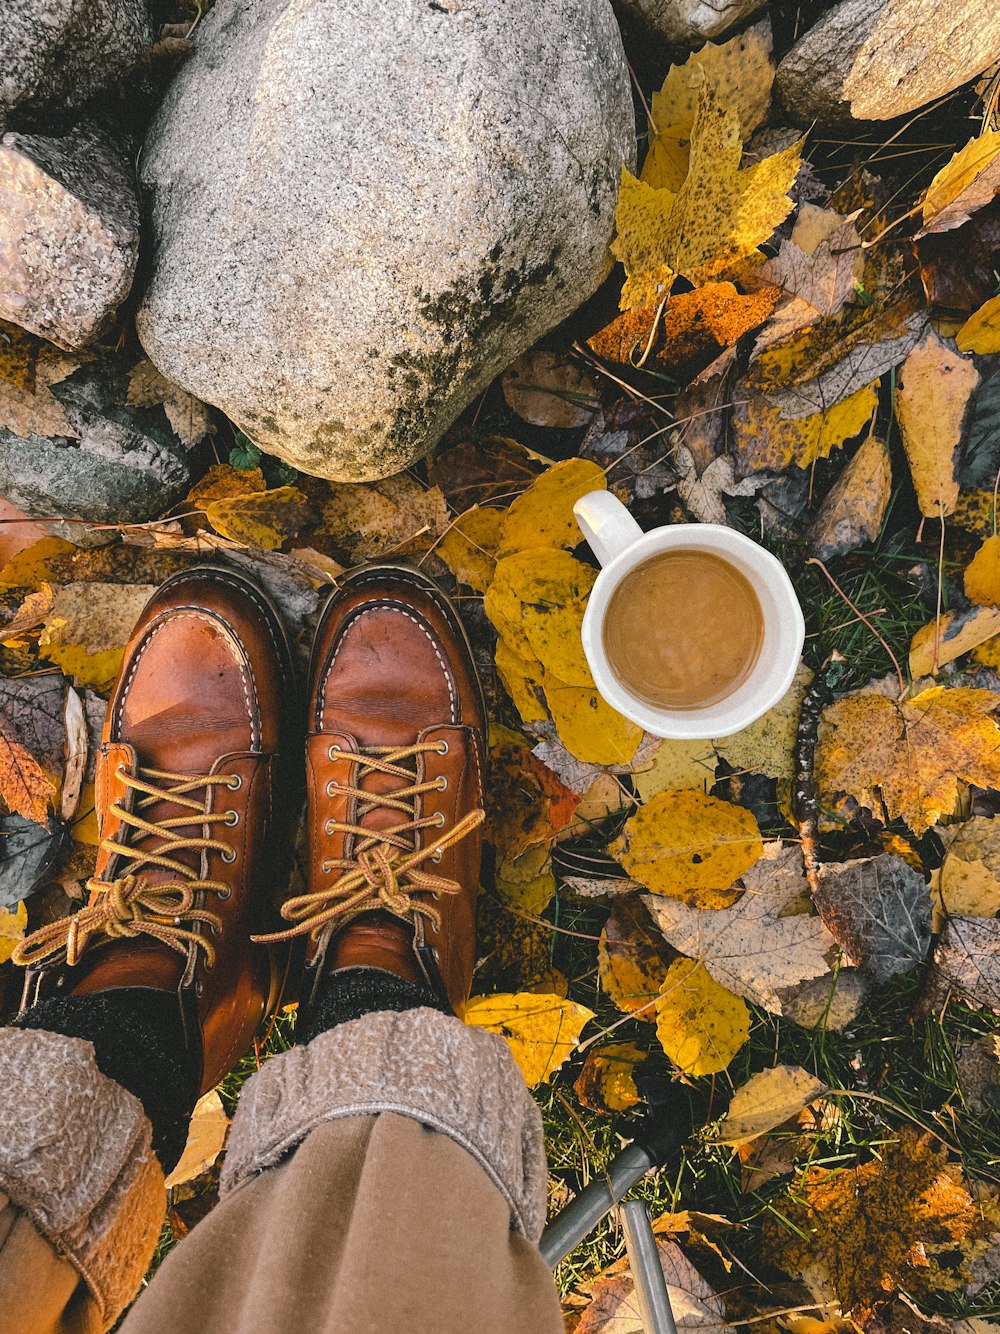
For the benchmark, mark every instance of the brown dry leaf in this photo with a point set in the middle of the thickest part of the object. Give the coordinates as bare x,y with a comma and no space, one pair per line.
18,354
614,1308
701,1026
88,627
981,331
906,760
30,408
469,547
968,181
205,1141
967,883
768,745
24,787
905,1219
543,1031
765,441
190,418
716,218
767,1100
690,845
543,515
759,948
223,482
853,509
607,1081
819,268
30,614
13,924
632,960
932,396
394,517
528,806
548,389
942,641
266,519
967,961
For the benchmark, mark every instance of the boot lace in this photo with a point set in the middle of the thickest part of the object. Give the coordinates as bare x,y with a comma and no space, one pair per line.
384,872
128,906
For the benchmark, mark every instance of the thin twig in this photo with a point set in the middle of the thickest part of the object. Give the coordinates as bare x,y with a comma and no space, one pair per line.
812,560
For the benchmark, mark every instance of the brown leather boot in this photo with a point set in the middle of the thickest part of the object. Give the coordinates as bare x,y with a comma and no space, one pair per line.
185,806
395,764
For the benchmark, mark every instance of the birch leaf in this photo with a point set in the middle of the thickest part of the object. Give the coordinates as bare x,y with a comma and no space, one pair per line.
766,1100
878,910
970,179
542,1031
701,1026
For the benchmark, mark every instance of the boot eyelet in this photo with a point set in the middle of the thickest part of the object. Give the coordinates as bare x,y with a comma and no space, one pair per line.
331,787
229,856
439,819
235,782
333,753
199,990
442,783
442,748
436,857
328,827
232,818
215,930
226,893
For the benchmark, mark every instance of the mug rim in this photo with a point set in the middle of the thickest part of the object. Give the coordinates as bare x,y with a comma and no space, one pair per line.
761,691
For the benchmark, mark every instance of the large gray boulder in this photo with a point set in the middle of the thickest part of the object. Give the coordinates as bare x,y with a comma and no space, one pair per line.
877,59
69,233
55,55
362,213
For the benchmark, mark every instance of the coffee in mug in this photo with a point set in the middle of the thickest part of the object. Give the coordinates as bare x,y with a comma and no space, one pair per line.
683,630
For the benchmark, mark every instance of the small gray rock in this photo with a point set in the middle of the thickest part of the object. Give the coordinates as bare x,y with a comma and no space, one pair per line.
69,233
126,465
362,213
688,22
876,59
55,55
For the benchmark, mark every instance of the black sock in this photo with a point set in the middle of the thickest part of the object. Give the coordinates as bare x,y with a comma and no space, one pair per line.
139,1042
350,993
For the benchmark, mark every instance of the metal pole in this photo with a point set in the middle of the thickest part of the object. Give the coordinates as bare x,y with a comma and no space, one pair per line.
647,1272
586,1210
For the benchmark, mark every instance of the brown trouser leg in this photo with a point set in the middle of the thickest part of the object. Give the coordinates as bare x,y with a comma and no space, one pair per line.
375,1224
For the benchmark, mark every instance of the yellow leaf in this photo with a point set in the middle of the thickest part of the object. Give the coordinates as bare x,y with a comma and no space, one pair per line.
689,845
968,181
265,520
853,509
522,681
982,576
668,159
766,441
394,517
631,960
607,1080
909,757
676,765
940,642
768,745
766,1100
18,354
31,567
88,627
543,1031
12,928
589,728
981,331
536,601
701,1026
529,896
543,516
932,395
469,546
206,1137
719,215
23,783
84,828
967,884
223,482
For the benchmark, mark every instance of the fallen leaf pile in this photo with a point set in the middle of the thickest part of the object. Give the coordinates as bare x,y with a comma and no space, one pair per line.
792,931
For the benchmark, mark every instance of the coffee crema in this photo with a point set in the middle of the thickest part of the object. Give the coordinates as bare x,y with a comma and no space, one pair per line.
683,630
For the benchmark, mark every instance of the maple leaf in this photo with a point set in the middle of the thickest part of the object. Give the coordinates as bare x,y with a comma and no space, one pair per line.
542,1031
857,1234
701,1025
878,910
607,1081
614,1308
768,1099
689,844
818,268
632,960
265,519
970,179
542,516
718,216
752,948
932,398
906,760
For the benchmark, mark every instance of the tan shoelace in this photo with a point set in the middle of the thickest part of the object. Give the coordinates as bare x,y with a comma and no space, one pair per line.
384,872
129,907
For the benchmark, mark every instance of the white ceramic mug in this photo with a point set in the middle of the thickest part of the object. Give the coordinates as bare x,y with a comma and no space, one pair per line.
620,545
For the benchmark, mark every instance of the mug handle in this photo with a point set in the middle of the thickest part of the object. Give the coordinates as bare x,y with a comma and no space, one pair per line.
606,524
